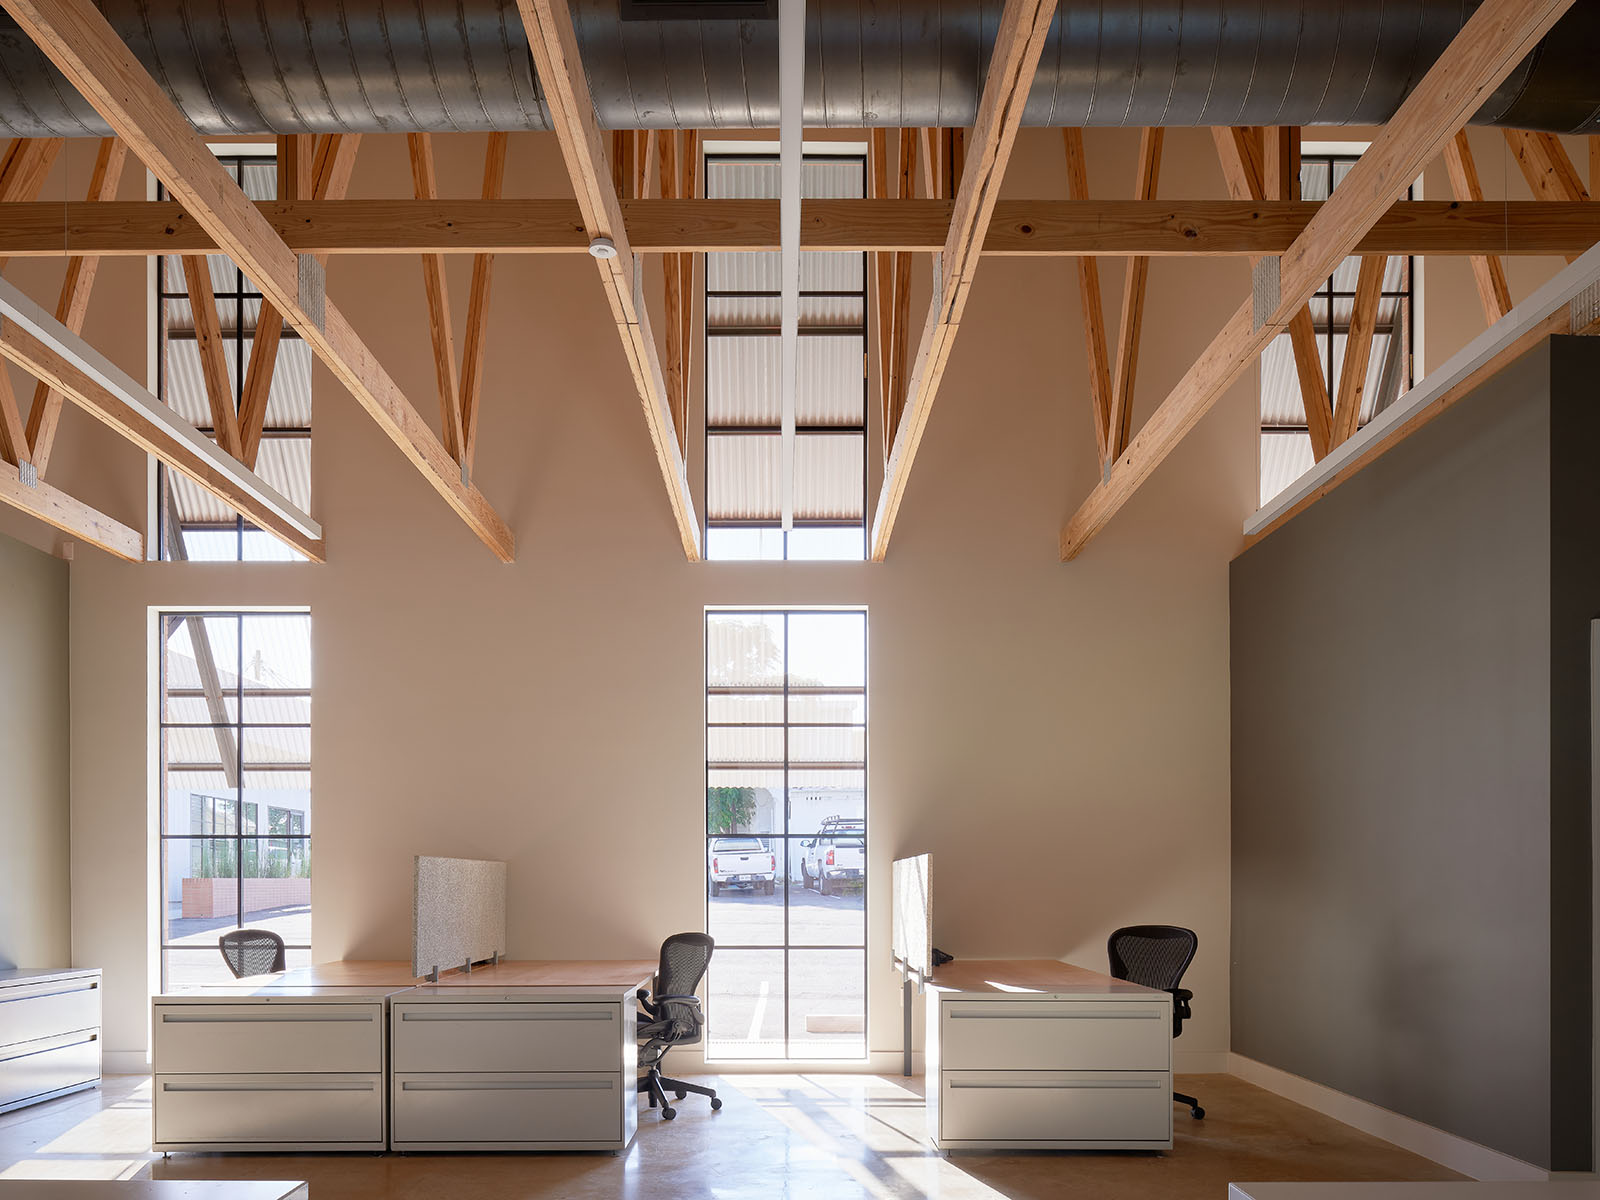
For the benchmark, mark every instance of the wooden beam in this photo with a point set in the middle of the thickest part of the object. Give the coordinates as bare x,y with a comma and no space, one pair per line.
472,355
688,188
675,295
1358,347
1491,42
23,170
44,417
213,362
49,351
331,166
1546,167
54,507
13,434
435,287
900,316
1244,158
1131,318
296,159
83,46
555,55
882,290
1094,321
1488,272
1020,228
1024,25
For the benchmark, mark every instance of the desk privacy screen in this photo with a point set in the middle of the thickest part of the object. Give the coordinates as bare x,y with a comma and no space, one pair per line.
913,916
458,912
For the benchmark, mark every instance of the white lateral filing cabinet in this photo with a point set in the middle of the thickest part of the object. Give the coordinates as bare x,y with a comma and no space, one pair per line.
49,1034
1039,1054
504,1059
280,1067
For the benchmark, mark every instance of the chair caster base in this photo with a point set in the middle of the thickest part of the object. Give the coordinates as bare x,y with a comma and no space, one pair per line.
668,1113
1198,1113
715,1104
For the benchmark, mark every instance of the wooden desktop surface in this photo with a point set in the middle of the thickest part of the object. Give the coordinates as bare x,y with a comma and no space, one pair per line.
1008,976
542,973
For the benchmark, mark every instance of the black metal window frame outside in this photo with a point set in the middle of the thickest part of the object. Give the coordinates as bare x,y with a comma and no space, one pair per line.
784,691
1405,324
166,623
239,336
862,331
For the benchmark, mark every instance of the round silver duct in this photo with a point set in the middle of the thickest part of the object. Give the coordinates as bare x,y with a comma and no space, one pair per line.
317,66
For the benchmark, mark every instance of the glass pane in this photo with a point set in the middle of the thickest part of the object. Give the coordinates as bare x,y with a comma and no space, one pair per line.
263,547
206,749
818,797
827,1004
744,710
274,744
744,801
744,649
828,544
744,1004
827,745
277,651
828,709
744,905
827,906
199,803
828,649
190,707
274,791
186,970
202,889
211,545
201,661
282,707
754,744
732,545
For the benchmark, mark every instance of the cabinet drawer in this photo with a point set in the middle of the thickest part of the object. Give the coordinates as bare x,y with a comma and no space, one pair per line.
245,1038
526,1107
48,1009
1055,1106
507,1037
48,1066
301,1109
995,1035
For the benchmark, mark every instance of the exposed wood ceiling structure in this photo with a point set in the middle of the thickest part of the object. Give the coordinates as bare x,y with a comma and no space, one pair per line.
639,192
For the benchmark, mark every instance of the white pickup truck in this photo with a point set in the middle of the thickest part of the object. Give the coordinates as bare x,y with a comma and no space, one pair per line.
836,857
741,862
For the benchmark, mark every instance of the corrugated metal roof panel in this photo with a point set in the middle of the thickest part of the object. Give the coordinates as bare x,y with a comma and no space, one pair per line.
832,381
1280,383
742,381
285,464
829,481
742,480
288,403
1284,458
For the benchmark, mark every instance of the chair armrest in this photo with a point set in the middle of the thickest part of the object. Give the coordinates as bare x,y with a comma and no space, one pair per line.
643,996
694,1000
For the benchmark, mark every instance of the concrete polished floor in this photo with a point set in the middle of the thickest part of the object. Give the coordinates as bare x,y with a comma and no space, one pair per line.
832,1137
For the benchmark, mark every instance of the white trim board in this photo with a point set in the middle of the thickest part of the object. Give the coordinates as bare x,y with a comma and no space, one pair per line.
1446,1149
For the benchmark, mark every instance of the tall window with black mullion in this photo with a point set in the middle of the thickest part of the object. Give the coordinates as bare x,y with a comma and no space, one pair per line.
1286,451
235,813
193,524
746,443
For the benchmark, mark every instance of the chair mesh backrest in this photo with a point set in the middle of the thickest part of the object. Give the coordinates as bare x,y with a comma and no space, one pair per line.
1152,955
684,958
251,952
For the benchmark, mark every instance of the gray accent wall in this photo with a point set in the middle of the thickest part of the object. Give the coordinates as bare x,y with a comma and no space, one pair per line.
1411,772
35,891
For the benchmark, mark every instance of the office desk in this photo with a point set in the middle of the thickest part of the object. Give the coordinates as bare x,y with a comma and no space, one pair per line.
1039,1054
518,1056
282,1065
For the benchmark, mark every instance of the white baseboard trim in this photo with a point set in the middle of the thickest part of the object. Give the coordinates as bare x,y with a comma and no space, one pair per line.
124,1062
1446,1149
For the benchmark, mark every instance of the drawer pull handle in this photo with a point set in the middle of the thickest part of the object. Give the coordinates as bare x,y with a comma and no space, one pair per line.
508,1085
331,1086
66,991
510,1016
958,1015
263,1019
55,1042
1119,1084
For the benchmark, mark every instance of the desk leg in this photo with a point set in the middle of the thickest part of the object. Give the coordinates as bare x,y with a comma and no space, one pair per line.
906,1001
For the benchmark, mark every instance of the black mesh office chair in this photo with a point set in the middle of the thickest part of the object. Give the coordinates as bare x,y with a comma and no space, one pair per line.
1156,956
675,1018
251,951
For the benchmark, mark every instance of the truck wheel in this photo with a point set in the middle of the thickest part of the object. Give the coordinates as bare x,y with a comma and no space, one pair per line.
805,875
824,886
771,887
716,889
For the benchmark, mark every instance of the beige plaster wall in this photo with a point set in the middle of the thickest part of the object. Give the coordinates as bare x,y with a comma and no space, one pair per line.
35,892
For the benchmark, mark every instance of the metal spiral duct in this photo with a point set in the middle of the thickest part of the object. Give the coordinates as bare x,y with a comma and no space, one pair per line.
317,66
